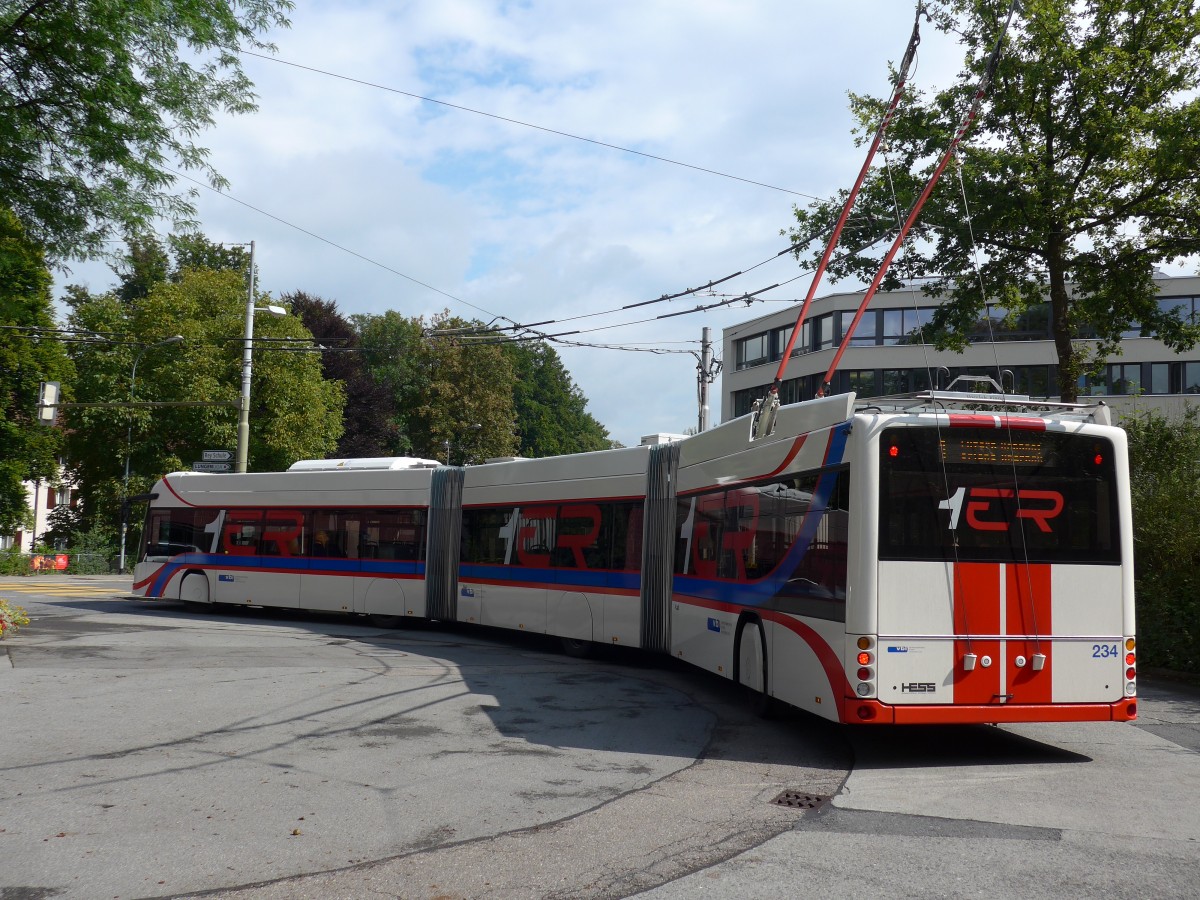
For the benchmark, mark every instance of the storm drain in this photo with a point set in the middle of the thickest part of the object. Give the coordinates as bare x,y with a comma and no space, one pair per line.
801,800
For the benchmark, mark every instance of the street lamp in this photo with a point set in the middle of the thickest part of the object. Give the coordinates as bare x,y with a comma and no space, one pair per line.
174,339
446,445
243,428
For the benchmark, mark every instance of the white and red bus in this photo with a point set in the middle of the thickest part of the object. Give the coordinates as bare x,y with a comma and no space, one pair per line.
907,560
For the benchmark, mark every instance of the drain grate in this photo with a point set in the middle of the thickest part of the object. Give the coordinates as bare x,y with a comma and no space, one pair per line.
801,800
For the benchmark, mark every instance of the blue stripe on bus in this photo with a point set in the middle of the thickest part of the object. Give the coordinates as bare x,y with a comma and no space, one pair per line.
295,565
762,591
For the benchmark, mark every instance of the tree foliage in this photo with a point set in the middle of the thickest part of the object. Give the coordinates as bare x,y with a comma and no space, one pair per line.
369,417
1164,461
28,356
551,410
99,101
295,413
1080,173
454,398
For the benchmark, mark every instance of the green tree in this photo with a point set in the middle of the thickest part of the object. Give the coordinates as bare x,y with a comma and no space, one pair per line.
30,352
369,416
551,410
295,413
1080,171
1164,462
389,344
100,101
444,386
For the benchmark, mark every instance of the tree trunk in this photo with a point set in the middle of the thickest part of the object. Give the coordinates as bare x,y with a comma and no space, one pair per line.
1060,325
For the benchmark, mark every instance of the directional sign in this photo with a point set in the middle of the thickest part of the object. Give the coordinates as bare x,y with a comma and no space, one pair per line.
217,456
211,466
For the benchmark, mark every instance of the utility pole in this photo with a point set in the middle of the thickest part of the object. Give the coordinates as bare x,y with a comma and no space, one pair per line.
243,427
707,370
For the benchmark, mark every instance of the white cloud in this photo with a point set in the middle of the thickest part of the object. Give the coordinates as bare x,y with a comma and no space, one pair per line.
532,226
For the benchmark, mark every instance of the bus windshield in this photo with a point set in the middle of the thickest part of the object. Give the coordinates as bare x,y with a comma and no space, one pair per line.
988,495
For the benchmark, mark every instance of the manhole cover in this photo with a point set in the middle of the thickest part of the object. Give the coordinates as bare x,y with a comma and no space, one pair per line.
800,800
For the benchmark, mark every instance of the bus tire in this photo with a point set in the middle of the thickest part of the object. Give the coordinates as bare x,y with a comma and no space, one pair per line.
384,621
577,648
750,654
193,591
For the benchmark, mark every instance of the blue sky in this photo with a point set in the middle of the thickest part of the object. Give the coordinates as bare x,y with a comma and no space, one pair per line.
528,225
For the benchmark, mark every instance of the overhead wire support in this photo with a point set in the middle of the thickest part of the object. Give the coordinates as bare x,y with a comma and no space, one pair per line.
981,90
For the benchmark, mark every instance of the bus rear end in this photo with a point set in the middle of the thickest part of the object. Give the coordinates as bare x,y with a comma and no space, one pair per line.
1004,575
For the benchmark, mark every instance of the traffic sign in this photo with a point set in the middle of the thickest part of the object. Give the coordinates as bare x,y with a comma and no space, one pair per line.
211,466
216,455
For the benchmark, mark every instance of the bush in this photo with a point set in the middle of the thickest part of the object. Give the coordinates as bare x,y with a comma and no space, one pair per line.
13,562
1164,462
11,618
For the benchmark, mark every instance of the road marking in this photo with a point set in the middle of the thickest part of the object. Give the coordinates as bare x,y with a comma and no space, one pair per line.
61,590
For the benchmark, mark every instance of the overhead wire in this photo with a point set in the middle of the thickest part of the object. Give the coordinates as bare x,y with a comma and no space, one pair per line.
511,121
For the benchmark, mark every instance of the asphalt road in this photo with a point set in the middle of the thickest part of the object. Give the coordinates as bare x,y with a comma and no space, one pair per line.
148,752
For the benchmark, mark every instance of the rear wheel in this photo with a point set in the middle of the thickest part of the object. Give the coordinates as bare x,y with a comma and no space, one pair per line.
577,648
381,621
751,654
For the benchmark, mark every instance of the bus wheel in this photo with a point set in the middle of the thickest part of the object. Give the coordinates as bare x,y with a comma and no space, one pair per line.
381,621
193,591
577,648
751,655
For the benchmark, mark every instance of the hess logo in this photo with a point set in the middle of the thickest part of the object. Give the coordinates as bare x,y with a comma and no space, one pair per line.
918,687
987,509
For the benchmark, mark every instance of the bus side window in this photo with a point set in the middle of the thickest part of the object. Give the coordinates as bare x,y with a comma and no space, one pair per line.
578,530
240,535
282,533
535,536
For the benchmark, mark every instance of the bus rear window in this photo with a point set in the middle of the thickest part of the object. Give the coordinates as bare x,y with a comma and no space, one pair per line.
988,495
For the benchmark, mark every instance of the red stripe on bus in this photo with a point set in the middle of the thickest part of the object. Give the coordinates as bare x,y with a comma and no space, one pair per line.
839,684
145,582
977,611
167,485
1018,423
791,454
1031,616
872,712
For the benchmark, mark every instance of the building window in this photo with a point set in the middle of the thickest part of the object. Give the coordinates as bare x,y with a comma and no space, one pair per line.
7,542
1033,381
862,382
752,351
1160,378
1125,378
823,332
1184,307
1191,378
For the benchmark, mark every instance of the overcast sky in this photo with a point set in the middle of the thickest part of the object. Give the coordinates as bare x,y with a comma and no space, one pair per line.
525,225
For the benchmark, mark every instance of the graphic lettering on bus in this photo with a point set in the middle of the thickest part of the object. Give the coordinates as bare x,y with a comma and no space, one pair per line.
983,515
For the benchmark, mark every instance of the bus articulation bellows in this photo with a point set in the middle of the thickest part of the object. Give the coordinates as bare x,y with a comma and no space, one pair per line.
939,558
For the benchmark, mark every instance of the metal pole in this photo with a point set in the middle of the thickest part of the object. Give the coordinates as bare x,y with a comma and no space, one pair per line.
174,339
705,366
243,428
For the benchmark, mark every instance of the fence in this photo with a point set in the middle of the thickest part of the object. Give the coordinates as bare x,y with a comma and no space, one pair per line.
64,563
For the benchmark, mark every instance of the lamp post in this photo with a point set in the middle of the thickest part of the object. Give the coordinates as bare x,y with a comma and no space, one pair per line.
174,339
446,444
243,428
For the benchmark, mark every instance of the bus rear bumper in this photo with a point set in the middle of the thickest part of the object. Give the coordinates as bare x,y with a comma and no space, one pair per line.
872,712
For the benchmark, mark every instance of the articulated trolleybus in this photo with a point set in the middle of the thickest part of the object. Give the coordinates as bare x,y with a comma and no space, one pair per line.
937,558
